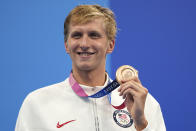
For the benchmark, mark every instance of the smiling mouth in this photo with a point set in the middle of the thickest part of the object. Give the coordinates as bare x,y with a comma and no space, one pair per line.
85,53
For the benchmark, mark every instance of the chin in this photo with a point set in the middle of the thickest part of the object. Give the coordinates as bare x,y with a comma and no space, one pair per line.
85,67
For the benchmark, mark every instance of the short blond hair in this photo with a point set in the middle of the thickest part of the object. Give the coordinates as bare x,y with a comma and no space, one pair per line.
83,14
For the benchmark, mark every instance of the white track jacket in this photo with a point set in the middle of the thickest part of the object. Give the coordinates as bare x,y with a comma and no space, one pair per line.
58,108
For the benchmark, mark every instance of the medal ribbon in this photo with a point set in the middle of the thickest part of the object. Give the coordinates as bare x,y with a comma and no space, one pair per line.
105,91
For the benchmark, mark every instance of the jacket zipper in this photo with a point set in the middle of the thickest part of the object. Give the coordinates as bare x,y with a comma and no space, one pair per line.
95,115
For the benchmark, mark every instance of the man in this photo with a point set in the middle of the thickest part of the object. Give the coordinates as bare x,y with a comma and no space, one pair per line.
89,32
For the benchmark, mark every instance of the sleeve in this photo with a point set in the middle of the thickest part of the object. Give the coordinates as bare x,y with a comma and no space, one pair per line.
26,116
20,123
154,115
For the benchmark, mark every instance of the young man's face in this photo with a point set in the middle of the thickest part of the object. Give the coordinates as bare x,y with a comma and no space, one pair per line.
88,45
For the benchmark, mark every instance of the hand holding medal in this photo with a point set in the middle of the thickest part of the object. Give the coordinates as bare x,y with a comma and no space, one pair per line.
135,94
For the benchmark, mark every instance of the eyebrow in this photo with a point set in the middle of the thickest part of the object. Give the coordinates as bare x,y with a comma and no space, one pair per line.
75,32
91,31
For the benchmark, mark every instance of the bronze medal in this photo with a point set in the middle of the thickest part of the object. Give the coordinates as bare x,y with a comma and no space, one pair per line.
125,73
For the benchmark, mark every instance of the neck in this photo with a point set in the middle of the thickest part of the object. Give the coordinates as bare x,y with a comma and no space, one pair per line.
90,78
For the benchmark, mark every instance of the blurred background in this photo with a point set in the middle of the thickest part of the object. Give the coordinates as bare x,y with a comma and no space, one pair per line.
156,37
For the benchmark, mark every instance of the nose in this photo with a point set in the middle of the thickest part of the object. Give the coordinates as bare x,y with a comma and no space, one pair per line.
84,43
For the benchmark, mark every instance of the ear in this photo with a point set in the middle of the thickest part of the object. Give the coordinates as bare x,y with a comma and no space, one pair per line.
111,46
66,47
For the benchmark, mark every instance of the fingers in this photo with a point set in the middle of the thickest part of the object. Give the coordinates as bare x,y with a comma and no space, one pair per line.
128,92
132,87
130,84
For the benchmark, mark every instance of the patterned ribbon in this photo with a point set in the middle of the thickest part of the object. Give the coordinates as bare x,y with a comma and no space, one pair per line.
105,91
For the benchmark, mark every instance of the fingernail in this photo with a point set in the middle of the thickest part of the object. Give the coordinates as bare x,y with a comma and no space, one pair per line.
123,97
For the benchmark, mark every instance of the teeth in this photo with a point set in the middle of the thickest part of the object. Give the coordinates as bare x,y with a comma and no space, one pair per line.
85,53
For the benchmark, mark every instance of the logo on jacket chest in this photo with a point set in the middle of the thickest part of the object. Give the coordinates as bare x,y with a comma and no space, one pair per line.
122,118
61,125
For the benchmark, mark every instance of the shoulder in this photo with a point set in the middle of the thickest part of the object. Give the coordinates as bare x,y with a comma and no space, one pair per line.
151,101
47,93
152,107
